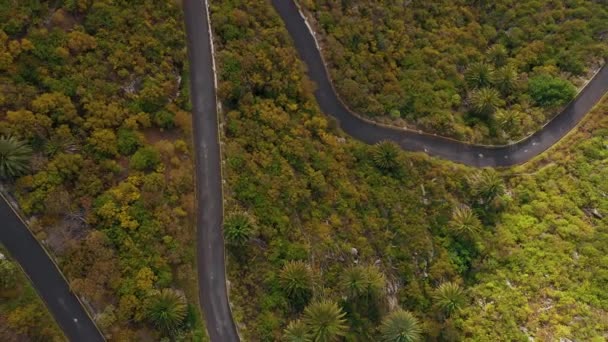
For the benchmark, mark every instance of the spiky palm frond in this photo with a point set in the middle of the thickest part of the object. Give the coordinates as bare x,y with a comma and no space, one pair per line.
360,281
400,326
325,321
479,75
57,145
296,331
449,297
505,79
385,155
376,281
509,121
354,281
485,101
14,157
167,310
465,222
238,229
498,54
486,185
296,280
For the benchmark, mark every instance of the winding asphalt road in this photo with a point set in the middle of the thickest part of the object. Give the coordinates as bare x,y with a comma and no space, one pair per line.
473,155
64,305
69,312
46,278
210,248
211,258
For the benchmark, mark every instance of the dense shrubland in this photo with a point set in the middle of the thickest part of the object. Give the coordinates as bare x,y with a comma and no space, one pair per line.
95,90
332,239
327,238
545,274
23,315
490,71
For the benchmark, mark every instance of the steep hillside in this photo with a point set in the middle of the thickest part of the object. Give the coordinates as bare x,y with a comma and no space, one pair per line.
479,71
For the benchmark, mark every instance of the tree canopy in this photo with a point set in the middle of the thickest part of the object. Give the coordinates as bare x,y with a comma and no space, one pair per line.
438,65
338,235
94,138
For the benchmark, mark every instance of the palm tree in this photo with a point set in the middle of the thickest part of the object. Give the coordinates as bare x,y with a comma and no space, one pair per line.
354,282
465,222
167,310
449,297
479,75
486,185
325,321
14,157
376,281
238,229
385,155
509,120
60,144
296,331
498,54
505,79
296,280
485,101
359,281
400,326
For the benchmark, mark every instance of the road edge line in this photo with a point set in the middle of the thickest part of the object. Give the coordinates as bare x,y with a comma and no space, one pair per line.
313,33
5,198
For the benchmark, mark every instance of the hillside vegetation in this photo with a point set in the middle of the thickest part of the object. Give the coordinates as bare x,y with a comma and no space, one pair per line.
95,92
327,238
544,275
330,239
23,315
478,71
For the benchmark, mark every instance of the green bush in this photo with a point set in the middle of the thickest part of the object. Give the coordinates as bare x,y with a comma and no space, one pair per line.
384,55
145,158
549,91
164,119
128,142
8,274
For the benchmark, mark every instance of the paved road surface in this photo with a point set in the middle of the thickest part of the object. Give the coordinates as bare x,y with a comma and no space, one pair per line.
473,155
45,277
211,261
210,248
